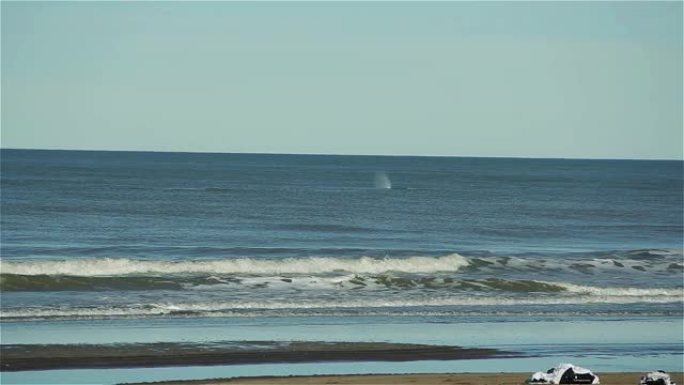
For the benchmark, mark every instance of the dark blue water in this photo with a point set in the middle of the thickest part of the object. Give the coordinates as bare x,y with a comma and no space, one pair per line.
109,234
68,203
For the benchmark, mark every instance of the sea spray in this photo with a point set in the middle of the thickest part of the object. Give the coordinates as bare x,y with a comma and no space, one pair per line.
382,181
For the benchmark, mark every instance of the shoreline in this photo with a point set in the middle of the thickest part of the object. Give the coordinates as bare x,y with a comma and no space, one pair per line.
83,356
609,378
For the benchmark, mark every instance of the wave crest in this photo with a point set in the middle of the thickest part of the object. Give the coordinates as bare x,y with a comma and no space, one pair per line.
249,266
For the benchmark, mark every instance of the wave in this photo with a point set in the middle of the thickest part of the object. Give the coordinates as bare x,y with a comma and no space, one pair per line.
307,265
632,262
456,291
15,282
608,293
165,252
326,227
445,305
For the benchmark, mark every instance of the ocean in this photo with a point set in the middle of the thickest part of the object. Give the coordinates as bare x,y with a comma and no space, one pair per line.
106,247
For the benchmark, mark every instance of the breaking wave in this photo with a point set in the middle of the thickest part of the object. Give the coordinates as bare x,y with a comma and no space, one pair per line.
307,265
355,282
328,285
635,262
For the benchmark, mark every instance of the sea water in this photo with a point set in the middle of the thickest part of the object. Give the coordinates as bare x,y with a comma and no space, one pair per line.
579,257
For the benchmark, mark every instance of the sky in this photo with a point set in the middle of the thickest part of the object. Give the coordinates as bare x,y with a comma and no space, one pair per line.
521,79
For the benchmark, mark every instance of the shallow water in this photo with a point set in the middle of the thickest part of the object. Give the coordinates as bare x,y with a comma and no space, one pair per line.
601,344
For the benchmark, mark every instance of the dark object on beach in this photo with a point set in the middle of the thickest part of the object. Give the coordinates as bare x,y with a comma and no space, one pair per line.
564,374
570,377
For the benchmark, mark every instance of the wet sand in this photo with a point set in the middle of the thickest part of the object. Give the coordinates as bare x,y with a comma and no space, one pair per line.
42,357
626,378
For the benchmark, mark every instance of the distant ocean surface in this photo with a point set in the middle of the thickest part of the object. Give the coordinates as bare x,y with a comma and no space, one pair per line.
126,234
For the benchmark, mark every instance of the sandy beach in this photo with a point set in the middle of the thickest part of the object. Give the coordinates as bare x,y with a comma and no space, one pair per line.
623,378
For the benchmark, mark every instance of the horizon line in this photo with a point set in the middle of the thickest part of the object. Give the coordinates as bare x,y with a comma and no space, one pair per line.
339,154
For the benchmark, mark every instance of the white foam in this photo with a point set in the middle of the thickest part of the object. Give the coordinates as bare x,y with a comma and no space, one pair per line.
619,296
609,292
325,265
307,265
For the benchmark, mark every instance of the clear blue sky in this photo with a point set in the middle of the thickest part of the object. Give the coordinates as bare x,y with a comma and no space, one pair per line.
530,79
